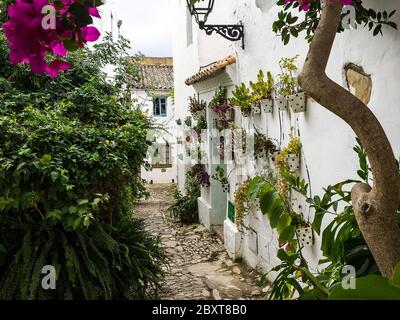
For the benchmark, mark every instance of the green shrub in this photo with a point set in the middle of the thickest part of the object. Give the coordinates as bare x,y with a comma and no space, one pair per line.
185,208
71,151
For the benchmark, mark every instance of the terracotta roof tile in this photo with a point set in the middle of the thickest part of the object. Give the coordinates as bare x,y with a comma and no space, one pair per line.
211,70
156,73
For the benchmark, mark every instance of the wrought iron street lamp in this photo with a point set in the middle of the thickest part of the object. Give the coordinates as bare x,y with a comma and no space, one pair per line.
201,10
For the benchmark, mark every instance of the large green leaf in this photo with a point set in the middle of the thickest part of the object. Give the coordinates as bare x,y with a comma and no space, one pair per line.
371,287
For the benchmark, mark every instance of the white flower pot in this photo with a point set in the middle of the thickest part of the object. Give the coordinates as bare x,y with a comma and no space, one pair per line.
273,156
256,109
256,205
294,162
282,103
297,102
305,235
225,188
246,205
267,105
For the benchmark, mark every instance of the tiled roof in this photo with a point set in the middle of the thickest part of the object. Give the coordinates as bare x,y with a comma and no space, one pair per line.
155,73
211,70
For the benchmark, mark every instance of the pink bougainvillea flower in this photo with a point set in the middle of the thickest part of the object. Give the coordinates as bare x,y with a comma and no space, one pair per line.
30,43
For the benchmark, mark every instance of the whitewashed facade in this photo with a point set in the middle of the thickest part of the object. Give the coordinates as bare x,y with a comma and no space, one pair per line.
327,153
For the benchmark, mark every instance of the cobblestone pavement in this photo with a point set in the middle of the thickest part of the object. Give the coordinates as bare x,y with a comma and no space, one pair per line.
200,268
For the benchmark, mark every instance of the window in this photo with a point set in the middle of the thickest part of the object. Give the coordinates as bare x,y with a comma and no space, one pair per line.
160,107
161,157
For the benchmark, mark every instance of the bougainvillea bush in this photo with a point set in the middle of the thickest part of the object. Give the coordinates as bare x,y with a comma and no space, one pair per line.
40,32
71,150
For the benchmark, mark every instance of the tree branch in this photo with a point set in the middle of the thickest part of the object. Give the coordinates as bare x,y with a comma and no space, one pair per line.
375,208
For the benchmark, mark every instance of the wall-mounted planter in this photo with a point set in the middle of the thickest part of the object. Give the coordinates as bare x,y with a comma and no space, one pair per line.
294,162
297,102
256,109
282,103
205,185
305,235
199,114
256,205
225,187
274,155
267,105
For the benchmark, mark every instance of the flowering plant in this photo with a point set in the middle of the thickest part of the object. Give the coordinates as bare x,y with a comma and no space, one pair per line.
203,178
222,108
41,31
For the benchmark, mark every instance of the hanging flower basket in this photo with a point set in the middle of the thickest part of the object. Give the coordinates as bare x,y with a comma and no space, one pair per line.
267,105
282,103
297,102
305,235
294,162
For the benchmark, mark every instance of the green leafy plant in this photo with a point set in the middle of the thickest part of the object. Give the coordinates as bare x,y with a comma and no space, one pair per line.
220,175
288,84
263,88
242,99
242,202
185,208
71,151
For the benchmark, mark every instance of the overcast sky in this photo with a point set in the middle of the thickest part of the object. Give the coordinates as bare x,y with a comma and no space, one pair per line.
146,23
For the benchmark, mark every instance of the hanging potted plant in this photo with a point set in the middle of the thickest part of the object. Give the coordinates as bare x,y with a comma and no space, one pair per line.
294,152
242,200
224,110
262,92
242,99
221,177
263,146
305,235
197,107
200,127
203,178
289,89
179,122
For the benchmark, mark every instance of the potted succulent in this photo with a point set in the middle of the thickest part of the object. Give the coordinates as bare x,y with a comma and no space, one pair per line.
222,178
292,153
262,92
289,92
263,146
197,107
242,99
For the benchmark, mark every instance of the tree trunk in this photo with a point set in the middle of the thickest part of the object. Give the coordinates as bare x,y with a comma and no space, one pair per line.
375,208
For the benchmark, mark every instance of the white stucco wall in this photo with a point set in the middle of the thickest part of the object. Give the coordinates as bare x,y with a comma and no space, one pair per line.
169,134
327,140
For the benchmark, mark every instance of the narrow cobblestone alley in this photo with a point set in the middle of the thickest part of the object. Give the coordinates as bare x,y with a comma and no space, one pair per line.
200,268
